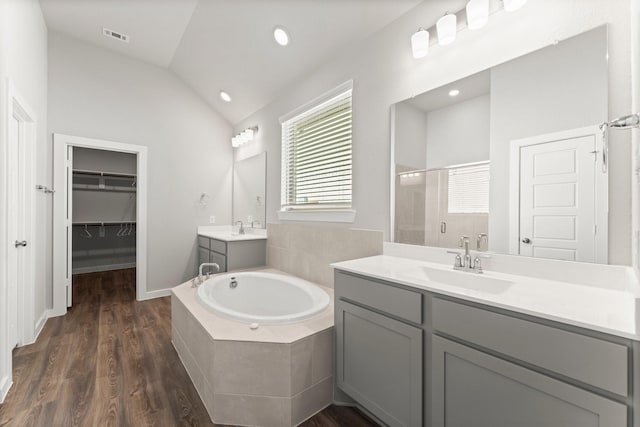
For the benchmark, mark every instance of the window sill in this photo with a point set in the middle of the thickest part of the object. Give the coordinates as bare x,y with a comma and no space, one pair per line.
345,215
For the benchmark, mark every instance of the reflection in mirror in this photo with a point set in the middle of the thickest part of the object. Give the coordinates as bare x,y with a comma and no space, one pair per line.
510,157
249,188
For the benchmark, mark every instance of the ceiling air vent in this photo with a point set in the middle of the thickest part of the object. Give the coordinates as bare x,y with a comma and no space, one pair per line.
115,35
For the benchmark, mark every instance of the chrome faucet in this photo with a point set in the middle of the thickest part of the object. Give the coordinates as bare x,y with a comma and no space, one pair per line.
241,229
466,262
201,278
464,242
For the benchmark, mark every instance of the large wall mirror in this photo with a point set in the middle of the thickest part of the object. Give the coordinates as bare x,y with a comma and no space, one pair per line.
511,157
249,191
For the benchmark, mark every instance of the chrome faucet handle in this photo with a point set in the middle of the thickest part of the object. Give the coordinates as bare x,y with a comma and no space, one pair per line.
458,261
482,236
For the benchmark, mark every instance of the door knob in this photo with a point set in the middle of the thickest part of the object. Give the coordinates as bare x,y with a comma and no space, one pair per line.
22,243
526,240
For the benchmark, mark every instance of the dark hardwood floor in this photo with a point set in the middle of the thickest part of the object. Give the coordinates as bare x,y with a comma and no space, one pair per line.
110,362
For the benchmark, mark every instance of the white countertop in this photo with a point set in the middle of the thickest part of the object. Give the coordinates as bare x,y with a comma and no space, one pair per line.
608,310
229,233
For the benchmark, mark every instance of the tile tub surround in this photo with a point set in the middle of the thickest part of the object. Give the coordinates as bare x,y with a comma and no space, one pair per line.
307,251
276,375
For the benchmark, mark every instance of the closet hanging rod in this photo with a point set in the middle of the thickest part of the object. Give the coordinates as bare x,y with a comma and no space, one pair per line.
103,173
102,223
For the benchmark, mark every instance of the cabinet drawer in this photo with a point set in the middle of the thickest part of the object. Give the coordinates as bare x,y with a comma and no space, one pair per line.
398,302
203,242
590,360
218,246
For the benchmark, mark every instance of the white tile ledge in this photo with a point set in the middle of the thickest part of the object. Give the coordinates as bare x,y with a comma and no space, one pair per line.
343,215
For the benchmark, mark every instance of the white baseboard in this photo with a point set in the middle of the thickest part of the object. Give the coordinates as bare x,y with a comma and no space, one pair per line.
5,385
155,294
40,324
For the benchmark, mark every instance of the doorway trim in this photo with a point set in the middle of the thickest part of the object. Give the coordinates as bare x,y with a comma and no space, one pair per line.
61,144
16,106
601,187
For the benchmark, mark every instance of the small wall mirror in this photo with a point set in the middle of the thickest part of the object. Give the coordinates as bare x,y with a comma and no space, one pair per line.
249,191
511,157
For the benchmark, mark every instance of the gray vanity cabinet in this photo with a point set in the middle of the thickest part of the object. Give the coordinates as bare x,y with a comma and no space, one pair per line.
412,357
231,255
379,345
472,388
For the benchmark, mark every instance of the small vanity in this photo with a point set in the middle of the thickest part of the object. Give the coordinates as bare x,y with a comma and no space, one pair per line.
418,343
231,250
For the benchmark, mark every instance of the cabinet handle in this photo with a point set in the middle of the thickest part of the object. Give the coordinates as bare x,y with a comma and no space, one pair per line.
443,227
526,240
22,243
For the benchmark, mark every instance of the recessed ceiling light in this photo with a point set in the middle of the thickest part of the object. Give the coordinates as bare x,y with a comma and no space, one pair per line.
225,96
454,92
281,36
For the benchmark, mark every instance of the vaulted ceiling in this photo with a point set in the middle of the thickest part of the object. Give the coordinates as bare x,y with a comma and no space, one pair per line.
228,45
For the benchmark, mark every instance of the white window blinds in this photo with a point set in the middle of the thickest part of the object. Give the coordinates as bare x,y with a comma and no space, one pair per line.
468,189
316,157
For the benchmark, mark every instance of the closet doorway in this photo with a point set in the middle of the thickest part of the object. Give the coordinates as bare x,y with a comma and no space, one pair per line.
99,213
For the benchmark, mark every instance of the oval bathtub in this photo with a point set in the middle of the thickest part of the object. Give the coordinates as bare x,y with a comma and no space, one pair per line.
263,298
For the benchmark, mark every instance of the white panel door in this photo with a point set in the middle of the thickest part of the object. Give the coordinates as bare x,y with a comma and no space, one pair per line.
16,225
557,199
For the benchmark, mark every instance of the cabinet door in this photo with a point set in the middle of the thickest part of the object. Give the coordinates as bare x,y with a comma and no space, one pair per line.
472,388
379,364
219,259
203,256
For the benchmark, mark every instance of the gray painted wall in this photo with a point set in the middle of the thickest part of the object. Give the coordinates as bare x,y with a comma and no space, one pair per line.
459,133
384,73
99,94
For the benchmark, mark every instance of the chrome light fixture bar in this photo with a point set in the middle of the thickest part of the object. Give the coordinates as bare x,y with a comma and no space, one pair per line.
474,16
244,137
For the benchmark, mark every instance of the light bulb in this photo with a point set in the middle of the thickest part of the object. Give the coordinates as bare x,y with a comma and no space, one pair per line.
281,36
447,27
225,96
477,14
420,43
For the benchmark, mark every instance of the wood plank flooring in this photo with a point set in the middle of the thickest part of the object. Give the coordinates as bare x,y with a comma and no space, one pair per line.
110,362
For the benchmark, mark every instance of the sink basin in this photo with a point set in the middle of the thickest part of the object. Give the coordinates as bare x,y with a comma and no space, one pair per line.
460,279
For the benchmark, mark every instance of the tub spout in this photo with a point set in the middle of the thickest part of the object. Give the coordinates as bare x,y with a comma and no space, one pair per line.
206,264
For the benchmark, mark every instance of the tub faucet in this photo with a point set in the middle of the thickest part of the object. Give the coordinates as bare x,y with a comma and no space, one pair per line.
241,229
206,264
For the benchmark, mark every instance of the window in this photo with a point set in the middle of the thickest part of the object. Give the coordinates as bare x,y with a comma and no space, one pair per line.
469,189
316,157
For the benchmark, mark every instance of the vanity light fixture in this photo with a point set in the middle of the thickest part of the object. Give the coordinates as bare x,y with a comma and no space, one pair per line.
454,92
420,43
281,35
477,14
447,27
225,96
511,5
243,137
